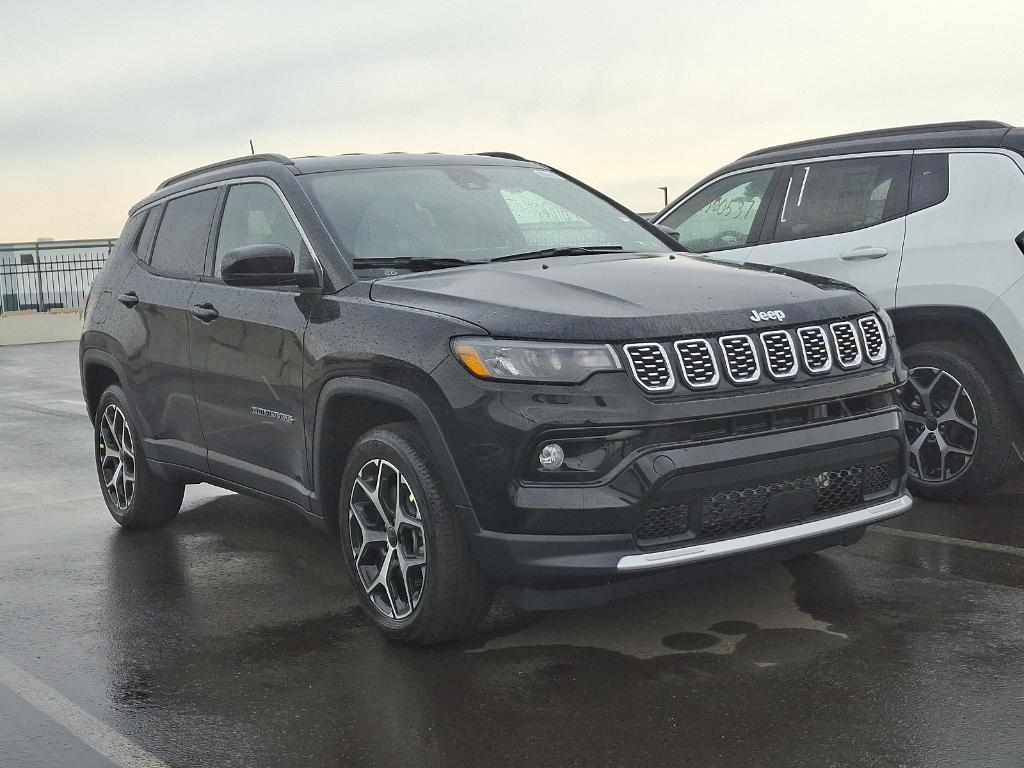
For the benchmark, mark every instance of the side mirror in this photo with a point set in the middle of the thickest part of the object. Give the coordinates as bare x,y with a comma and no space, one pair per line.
668,231
266,264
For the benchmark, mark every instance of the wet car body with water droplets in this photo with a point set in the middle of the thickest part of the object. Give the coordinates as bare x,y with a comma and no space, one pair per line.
564,422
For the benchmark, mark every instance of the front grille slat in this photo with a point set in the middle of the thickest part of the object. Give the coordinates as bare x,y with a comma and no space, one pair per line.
697,363
848,352
779,354
875,347
741,363
814,349
650,366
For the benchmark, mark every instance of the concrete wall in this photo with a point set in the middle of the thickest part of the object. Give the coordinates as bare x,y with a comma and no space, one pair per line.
33,327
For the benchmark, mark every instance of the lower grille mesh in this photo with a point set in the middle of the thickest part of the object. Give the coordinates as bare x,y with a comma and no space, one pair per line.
735,510
664,523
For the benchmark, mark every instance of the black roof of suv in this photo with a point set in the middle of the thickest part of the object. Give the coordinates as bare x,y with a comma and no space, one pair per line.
969,133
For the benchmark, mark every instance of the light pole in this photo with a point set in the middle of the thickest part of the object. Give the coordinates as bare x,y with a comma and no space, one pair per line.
664,191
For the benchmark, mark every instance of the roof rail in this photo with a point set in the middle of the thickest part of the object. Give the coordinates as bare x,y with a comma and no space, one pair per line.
266,157
503,155
965,125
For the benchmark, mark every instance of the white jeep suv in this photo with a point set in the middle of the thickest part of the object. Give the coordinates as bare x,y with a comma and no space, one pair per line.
929,221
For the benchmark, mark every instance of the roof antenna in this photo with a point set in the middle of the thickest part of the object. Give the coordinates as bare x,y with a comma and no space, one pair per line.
251,148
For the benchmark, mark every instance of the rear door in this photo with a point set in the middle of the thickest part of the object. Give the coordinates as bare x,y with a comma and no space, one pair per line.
157,293
246,352
724,219
844,219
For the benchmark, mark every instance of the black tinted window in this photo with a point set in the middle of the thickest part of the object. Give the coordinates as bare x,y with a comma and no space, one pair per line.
184,231
144,241
130,233
255,215
929,183
842,196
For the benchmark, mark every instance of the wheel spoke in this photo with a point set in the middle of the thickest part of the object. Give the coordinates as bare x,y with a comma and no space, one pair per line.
914,418
382,582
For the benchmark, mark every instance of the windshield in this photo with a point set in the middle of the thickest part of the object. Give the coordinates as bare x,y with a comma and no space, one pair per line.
467,213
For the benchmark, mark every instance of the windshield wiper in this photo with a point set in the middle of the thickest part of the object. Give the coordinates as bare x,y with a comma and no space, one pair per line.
410,263
567,251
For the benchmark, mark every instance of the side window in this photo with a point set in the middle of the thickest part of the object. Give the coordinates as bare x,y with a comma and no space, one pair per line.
129,236
144,242
255,215
721,215
929,181
180,247
842,196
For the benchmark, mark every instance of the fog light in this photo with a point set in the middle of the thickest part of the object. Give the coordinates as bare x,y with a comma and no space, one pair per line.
551,456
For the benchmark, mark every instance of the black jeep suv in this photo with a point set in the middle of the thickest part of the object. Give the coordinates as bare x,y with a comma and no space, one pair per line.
481,373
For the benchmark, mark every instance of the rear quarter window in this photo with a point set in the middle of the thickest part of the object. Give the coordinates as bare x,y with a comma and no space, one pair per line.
929,181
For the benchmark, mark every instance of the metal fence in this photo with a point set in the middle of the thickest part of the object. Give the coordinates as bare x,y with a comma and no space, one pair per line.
49,275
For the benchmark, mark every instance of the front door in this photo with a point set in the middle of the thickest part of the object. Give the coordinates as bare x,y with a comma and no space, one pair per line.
844,219
247,355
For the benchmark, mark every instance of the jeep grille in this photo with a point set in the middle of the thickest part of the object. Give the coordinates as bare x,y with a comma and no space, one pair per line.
743,359
847,344
815,350
741,363
875,347
697,362
650,366
780,354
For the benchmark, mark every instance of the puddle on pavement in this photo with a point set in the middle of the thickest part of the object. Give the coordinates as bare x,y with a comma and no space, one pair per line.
753,615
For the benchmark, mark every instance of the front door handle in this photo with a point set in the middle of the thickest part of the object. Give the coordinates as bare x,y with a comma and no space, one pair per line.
864,252
205,312
129,299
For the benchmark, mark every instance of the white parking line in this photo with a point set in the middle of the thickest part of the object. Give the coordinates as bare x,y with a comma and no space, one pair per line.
1001,548
92,732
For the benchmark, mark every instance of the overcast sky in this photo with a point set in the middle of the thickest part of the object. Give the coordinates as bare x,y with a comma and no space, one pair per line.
99,101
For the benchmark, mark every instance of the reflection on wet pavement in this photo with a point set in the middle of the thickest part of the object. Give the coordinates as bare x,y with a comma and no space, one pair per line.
232,638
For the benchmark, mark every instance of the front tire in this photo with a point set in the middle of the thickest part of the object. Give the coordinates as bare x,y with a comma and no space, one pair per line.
960,419
405,548
135,497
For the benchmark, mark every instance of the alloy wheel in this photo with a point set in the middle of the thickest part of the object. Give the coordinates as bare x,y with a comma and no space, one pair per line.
117,457
387,537
940,423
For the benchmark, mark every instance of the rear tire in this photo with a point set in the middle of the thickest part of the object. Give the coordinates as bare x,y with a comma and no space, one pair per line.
135,497
955,390
406,551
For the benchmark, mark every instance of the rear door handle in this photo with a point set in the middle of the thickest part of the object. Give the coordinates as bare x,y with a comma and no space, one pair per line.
205,312
129,299
864,252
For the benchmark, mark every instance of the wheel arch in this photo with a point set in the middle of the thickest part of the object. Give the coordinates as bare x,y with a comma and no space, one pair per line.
944,323
346,409
99,370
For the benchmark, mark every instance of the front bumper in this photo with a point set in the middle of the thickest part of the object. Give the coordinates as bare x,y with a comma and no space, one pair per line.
765,539
771,493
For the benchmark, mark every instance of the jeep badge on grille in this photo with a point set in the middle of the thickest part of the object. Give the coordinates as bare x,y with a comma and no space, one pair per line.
771,314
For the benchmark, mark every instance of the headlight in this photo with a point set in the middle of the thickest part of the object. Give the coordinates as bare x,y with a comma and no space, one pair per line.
534,360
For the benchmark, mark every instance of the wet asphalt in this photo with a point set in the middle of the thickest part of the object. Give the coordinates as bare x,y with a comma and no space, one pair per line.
232,638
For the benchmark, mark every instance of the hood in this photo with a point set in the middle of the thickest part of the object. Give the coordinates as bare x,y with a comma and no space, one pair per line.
615,297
